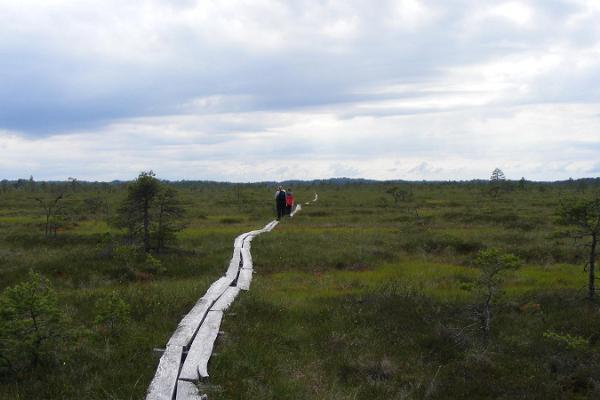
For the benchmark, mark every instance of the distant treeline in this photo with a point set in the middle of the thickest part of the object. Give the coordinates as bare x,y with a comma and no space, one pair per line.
73,183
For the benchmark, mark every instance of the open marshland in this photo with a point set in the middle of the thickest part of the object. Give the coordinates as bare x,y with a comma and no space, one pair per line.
374,291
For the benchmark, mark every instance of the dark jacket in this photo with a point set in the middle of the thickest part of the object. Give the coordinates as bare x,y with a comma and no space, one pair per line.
280,198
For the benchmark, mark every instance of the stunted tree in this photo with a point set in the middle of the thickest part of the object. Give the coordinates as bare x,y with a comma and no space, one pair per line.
497,179
493,264
169,214
583,216
150,211
31,183
73,183
399,194
30,323
134,213
50,207
96,206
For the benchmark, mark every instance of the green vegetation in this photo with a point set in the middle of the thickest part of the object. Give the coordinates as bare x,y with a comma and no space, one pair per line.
584,217
375,291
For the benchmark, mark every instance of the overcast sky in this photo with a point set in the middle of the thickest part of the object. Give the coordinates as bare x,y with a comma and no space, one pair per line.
272,90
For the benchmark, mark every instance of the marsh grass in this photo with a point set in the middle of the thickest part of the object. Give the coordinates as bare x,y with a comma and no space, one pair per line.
356,297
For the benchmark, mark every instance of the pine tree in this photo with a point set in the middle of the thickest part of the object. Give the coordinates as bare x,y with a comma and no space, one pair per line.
497,180
151,212
584,217
134,213
169,213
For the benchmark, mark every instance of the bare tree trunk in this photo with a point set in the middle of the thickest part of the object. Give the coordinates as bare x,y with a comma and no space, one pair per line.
159,245
487,314
47,223
146,226
592,267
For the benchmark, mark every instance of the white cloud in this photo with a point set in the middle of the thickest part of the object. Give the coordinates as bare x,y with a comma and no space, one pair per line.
517,12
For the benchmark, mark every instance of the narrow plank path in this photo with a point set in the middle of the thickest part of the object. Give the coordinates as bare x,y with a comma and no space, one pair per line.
185,358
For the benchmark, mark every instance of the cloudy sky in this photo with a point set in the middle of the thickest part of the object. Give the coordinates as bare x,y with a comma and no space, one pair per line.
247,90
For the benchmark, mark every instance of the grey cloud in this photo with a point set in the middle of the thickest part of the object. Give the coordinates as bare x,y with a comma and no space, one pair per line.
56,87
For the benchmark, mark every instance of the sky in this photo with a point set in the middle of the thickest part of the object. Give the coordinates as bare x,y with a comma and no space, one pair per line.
240,90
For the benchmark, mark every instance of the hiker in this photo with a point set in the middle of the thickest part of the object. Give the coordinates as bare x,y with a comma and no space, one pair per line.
280,202
289,201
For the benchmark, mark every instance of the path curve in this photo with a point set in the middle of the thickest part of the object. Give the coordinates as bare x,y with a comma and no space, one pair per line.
185,358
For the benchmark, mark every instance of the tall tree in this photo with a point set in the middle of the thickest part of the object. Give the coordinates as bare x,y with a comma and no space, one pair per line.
134,213
584,218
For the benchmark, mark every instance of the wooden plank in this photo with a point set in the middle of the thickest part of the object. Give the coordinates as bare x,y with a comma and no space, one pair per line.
196,362
218,288
272,225
164,383
187,391
234,265
226,299
237,243
189,324
246,258
202,323
313,200
244,279
298,208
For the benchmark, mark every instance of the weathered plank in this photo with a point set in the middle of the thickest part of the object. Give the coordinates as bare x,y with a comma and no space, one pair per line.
203,321
313,200
298,208
246,258
187,391
234,265
196,362
226,299
244,278
189,324
272,225
218,288
165,380
237,243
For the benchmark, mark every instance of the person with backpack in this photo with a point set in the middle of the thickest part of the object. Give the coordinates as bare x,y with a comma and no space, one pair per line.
289,201
280,202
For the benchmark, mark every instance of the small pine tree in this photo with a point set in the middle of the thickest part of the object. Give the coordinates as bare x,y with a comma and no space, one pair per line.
112,314
30,323
492,263
584,218
497,180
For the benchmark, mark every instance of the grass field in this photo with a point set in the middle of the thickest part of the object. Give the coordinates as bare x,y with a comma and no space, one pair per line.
359,296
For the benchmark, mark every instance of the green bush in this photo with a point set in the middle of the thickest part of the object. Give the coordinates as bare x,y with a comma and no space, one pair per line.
571,342
153,265
31,323
112,314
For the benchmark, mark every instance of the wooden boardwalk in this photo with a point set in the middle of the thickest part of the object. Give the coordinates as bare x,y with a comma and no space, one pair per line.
185,359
